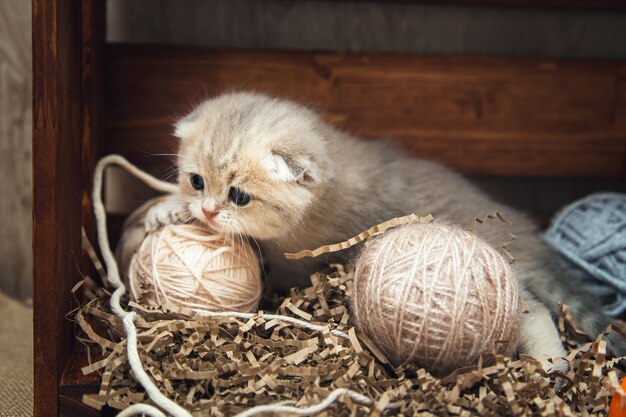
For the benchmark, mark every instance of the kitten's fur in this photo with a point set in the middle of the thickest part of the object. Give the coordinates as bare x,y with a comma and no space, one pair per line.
312,185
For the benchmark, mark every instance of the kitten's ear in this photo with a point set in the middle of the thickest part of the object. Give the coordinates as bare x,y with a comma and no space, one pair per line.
185,126
285,167
182,129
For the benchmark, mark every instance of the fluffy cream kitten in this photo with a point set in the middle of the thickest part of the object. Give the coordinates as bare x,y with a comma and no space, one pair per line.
271,169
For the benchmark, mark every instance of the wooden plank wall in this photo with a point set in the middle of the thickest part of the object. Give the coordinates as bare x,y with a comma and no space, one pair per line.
16,339
374,26
15,149
481,116
564,4
398,27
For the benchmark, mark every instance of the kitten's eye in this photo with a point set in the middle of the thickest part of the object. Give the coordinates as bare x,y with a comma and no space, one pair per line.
241,198
197,181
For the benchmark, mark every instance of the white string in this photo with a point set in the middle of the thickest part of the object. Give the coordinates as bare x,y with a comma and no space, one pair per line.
145,409
287,319
128,317
114,278
314,409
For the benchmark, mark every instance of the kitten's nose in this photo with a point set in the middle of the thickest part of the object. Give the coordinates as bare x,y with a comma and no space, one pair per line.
209,214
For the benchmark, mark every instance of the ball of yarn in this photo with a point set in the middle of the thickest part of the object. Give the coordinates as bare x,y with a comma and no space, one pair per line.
436,295
590,234
187,266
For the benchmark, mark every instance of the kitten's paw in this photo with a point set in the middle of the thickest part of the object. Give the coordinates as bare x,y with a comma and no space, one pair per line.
556,365
164,213
156,218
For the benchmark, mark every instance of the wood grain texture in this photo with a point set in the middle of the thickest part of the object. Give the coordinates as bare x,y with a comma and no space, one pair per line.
542,198
371,26
391,26
93,18
558,4
57,177
15,149
483,116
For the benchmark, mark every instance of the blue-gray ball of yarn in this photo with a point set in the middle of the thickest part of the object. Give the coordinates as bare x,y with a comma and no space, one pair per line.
591,236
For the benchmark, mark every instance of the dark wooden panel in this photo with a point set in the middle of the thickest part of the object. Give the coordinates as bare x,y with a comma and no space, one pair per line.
57,188
93,31
74,384
542,198
371,26
92,82
485,116
560,4
71,405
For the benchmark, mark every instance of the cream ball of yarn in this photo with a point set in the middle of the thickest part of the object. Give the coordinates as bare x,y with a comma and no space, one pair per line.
436,295
187,266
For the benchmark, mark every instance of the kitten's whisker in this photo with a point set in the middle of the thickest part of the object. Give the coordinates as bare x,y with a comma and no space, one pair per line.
163,154
260,252
172,172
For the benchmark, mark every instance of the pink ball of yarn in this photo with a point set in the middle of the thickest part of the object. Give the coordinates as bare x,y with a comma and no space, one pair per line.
187,266
436,295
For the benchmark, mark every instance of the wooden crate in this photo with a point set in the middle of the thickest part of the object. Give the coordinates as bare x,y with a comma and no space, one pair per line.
486,116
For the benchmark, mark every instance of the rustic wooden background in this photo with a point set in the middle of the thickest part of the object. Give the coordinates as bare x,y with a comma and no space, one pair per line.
15,148
401,27
16,258
281,24
367,26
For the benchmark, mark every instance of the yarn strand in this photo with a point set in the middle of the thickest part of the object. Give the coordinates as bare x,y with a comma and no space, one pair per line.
114,278
314,409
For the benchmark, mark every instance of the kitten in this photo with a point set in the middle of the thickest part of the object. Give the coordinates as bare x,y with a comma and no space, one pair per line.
272,170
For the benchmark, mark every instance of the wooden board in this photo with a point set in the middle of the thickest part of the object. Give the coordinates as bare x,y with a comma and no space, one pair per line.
92,55
57,189
74,384
560,4
485,116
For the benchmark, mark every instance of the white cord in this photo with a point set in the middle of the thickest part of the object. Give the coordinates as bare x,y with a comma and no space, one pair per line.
287,319
128,317
145,409
114,278
281,409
